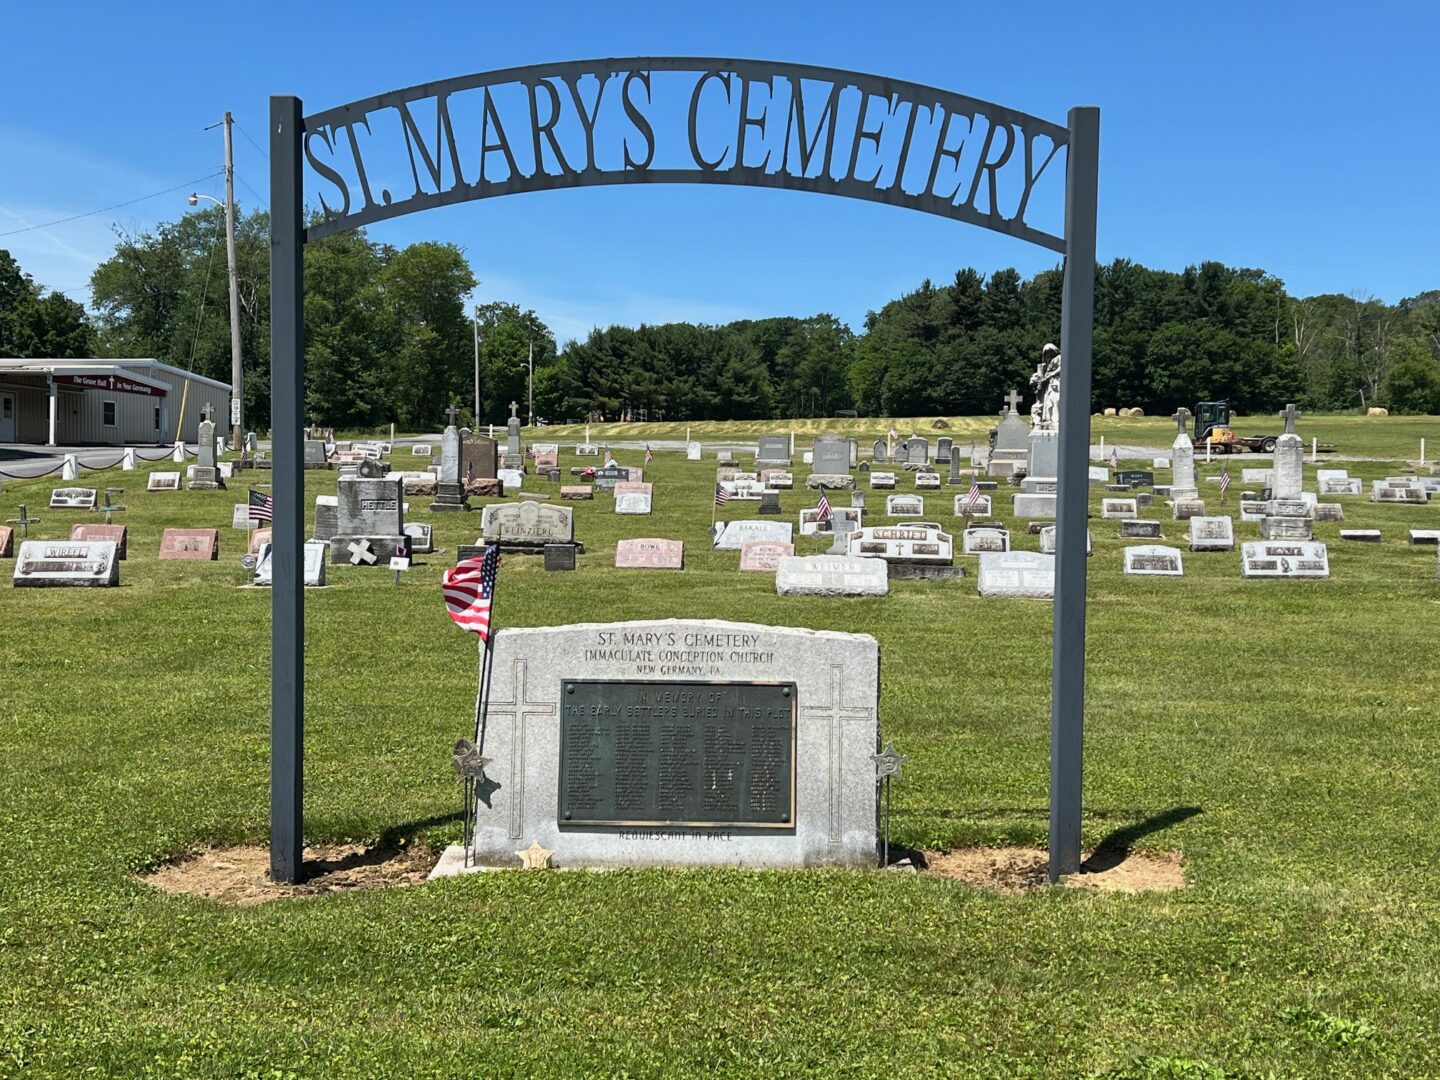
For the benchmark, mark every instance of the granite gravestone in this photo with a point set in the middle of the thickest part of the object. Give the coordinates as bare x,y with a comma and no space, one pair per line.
927,481
979,508
75,498
1047,541
943,446
327,514
1212,534
117,533
7,542
512,432
880,453
917,450
66,563
511,481
831,575
882,481
1017,574
1284,559
905,506
633,498
370,522
974,541
206,476
1289,459
526,527
1183,484
190,545
733,535
831,467
450,493
1012,440
312,571
693,450
559,556
1137,529
163,481
650,554
763,555
812,525
1153,560
774,450
920,542
1118,509
422,537
679,743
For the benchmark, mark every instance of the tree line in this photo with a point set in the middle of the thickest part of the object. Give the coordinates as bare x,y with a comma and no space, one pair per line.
390,338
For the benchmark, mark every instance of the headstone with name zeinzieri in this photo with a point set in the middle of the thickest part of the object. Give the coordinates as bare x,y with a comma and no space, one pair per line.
527,526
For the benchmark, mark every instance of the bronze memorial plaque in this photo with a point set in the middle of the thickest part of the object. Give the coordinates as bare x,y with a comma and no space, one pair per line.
677,753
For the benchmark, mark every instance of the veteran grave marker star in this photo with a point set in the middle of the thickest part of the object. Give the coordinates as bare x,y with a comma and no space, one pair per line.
535,857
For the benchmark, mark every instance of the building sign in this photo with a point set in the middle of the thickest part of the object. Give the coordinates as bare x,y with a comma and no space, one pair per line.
118,384
686,120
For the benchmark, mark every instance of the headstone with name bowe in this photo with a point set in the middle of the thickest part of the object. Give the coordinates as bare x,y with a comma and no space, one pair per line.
678,743
369,527
763,556
650,553
66,563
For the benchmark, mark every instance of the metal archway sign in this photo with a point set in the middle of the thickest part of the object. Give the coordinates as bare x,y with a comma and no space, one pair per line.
690,120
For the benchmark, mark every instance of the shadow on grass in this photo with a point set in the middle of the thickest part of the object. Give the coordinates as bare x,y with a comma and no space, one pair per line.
1116,847
391,844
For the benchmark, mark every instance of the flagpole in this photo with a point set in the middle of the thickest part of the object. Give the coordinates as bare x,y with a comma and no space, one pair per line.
482,698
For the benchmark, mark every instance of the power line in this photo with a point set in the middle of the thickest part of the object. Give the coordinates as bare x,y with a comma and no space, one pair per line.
130,202
252,141
253,191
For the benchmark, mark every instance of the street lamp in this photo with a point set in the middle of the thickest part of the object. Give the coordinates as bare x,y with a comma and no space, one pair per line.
237,374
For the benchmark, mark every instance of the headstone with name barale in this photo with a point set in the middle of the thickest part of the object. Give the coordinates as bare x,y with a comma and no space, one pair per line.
369,526
733,535
680,743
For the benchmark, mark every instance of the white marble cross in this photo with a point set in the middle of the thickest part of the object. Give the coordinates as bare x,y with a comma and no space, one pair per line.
360,553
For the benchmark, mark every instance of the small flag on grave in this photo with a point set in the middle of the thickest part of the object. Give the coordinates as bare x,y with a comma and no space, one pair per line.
469,589
824,507
721,495
262,506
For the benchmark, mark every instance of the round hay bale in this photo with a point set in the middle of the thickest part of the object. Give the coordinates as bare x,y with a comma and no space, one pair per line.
1110,412
1137,412
1122,412
941,424
1376,410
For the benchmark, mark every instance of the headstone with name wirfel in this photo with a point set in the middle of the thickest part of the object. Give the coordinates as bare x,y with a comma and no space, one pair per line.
66,563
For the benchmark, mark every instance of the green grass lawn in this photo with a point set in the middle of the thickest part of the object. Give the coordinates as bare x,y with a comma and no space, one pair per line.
1282,735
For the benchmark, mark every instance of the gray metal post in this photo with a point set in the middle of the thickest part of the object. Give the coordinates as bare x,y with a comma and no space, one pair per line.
287,396
1067,706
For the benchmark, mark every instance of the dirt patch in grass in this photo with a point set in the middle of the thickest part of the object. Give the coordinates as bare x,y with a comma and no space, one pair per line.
241,875
1020,869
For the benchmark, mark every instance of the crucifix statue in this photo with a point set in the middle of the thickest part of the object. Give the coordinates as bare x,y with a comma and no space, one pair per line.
1181,418
209,412
1290,415
1013,399
451,413
514,410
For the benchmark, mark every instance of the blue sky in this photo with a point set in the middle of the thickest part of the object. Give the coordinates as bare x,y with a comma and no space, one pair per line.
1299,138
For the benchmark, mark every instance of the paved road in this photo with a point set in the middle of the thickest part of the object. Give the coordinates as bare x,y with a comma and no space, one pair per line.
20,461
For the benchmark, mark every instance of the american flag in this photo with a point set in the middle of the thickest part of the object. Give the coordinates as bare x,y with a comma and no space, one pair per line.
469,589
893,433
649,457
721,495
1224,481
262,506
973,499
470,474
1114,459
824,507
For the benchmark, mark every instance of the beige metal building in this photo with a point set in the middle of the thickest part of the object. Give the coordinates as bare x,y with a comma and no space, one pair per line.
80,402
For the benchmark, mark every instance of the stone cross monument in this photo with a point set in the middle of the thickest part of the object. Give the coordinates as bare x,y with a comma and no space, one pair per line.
207,473
449,489
1183,484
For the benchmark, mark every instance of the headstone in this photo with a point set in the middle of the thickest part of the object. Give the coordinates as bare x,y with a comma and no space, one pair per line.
882,481
633,498
66,563
1099,474
692,451
163,481
72,498
901,454
546,462
327,515
831,575
769,502
372,510
1183,484
857,500
577,493
1363,536
1044,457
511,480
681,742
257,539
1383,492
608,476
422,537
974,541
880,453
943,446
1017,574
763,555
421,450
206,476
312,572
774,450
1327,512
917,450
832,456
1284,559
1185,509
1427,537
1263,477
917,542
980,508
927,481
1135,477
1160,463
117,533
527,526
904,506
315,454
450,495
732,535
1135,529
778,479
198,545
1212,534
811,525
1118,509
1341,486
1047,540
512,431
650,554
1153,560
1033,505
590,450
955,467
1286,528
559,556
7,542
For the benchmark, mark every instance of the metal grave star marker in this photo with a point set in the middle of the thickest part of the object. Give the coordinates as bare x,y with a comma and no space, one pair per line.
360,553
469,762
535,857
888,762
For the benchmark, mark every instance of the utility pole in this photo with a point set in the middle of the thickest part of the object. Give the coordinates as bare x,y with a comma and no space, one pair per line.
475,322
237,373
531,390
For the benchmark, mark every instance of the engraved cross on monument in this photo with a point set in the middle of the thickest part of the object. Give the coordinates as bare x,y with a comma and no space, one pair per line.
1290,415
837,713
